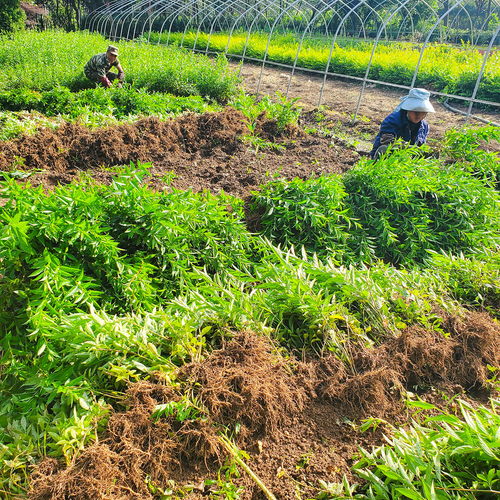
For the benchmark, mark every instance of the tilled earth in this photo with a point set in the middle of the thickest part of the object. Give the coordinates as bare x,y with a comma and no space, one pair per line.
297,420
205,152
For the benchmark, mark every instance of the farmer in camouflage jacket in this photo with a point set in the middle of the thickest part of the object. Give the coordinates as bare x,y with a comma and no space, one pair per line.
97,68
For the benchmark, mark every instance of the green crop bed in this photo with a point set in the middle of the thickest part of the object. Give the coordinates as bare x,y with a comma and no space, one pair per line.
104,285
40,61
443,67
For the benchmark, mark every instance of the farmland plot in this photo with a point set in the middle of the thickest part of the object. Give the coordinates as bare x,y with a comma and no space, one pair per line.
250,314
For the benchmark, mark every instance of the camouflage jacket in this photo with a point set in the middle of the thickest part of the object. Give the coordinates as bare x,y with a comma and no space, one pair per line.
98,66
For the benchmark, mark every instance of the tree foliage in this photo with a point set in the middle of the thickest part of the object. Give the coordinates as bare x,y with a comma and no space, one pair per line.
11,16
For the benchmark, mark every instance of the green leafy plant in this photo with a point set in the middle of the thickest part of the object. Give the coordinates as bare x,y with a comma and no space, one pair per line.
444,67
311,213
464,147
118,102
283,110
445,457
409,205
149,67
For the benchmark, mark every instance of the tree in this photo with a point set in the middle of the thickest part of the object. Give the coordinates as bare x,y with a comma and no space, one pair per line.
11,16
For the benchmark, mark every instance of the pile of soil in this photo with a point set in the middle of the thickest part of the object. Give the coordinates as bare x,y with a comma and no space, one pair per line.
295,419
205,152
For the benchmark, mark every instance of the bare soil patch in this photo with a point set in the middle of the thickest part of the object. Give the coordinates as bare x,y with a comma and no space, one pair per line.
205,152
297,419
340,99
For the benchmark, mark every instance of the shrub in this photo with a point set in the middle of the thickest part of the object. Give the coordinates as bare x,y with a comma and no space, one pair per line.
311,213
464,146
408,205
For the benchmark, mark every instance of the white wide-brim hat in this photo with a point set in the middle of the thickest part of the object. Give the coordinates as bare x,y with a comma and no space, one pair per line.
417,100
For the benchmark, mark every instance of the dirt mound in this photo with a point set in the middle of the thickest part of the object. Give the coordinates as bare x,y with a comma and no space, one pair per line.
74,146
205,152
296,419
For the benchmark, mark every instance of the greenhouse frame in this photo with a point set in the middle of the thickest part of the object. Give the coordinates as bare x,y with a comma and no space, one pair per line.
377,24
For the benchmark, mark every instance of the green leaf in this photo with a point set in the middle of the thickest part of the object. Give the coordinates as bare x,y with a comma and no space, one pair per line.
410,493
83,403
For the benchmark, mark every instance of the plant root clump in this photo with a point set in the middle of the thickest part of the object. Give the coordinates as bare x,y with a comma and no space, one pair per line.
245,382
297,420
418,361
478,339
134,448
74,146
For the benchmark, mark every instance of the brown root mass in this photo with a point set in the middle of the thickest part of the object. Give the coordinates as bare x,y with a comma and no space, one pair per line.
418,361
205,152
296,418
246,383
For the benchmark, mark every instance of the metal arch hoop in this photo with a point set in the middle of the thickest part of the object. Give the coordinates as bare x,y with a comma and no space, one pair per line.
126,19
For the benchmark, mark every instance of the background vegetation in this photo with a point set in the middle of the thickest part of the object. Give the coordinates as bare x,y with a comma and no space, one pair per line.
443,67
11,16
151,68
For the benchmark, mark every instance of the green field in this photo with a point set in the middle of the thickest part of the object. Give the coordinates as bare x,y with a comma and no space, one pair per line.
444,68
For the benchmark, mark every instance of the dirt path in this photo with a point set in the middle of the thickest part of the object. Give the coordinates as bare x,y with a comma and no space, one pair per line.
340,97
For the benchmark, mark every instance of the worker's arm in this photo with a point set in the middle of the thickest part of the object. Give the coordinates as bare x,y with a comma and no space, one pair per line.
101,74
121,73
422,133
389,129
105,81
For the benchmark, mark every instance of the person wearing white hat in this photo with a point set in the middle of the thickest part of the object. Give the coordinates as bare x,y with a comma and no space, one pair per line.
98,68
405,122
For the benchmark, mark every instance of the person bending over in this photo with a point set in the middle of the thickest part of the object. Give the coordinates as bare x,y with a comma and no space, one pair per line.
98,68
405,122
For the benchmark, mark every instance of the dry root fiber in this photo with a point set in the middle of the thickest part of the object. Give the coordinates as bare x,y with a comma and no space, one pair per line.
292,407
245,382
418,360
74,146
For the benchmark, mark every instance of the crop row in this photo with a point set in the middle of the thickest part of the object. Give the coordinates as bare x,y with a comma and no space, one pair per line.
119,102
44,60
443,67
29,110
